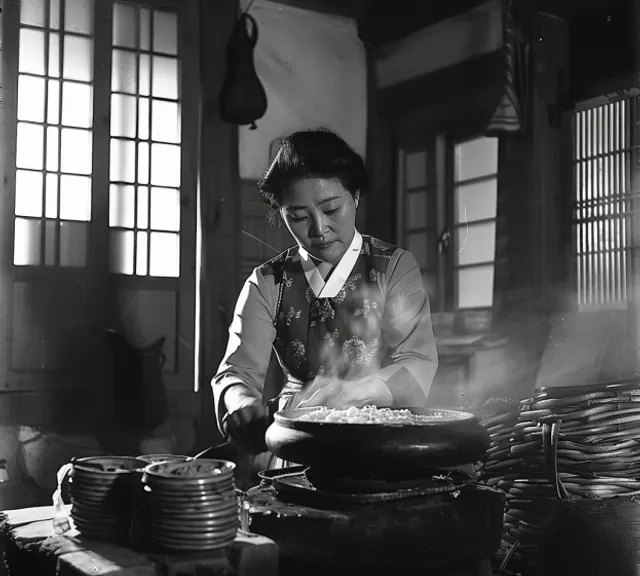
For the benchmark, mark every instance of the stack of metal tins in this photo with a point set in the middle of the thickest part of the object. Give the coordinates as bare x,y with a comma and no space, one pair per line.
189,506
102,491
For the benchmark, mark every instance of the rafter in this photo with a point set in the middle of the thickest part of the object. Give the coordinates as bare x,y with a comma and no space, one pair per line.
347,8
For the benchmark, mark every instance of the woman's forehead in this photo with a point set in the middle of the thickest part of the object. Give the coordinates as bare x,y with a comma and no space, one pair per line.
312,191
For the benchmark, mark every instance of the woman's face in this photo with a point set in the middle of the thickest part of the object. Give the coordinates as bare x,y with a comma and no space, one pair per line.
321,216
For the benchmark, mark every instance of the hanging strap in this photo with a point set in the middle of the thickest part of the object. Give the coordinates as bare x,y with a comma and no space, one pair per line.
62,522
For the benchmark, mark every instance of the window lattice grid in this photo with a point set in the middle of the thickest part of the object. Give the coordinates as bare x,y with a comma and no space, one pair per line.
53,185
475,183
417,211
604,160
145,151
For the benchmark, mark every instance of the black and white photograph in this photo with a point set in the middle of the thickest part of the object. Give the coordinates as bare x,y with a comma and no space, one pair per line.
319,287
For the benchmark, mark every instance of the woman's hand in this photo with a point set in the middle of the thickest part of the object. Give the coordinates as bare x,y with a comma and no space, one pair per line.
247,422
340,394
247,427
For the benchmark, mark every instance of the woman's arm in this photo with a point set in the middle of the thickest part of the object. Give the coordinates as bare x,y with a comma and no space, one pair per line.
408,332
240,378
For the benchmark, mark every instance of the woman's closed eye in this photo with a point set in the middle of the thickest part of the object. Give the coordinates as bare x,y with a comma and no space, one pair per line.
301,218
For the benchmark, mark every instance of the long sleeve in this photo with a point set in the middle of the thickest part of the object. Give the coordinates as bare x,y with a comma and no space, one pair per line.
251,336
408,332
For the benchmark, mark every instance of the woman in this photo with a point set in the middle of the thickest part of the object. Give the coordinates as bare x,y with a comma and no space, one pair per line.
347,315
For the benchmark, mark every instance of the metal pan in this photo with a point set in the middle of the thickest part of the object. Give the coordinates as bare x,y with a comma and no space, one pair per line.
383,451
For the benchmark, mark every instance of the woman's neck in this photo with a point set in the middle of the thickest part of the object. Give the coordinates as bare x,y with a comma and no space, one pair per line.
346,246
325,268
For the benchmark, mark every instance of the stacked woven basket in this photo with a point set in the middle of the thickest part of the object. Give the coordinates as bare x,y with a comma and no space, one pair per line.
564,444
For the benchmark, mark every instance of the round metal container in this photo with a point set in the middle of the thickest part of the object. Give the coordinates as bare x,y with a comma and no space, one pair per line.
103,491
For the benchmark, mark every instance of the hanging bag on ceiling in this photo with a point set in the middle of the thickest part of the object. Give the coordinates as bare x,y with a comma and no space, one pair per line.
243,99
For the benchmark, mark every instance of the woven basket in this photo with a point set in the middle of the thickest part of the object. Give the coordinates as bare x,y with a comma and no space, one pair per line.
565,444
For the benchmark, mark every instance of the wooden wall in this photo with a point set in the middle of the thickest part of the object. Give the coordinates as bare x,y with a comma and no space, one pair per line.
263,237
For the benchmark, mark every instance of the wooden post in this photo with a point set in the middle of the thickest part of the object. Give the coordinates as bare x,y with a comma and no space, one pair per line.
220,205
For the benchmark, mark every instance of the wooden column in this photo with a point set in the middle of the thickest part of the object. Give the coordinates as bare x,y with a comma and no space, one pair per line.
220,205
552,182
537,179
536,185
380,205
6,212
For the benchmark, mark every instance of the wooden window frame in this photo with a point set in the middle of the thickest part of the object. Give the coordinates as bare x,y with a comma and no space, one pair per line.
96,271
440,147
461,133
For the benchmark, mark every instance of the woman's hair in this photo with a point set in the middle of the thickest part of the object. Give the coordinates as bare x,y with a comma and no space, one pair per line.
313,154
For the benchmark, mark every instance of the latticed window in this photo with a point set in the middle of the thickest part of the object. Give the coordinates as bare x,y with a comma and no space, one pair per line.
54,156
144,196
54,141
99,211
606,192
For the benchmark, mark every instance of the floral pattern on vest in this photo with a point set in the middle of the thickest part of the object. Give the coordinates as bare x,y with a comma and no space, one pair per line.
341,336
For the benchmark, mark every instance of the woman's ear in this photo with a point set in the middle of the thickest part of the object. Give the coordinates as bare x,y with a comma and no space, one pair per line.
274,218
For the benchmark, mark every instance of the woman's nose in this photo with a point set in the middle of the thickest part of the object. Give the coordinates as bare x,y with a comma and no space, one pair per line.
318,225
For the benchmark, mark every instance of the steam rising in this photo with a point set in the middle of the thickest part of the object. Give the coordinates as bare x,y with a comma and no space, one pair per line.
364,353
534,346
358,356
548,348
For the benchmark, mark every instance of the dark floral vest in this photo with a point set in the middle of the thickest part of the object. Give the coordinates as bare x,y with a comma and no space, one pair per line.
341,336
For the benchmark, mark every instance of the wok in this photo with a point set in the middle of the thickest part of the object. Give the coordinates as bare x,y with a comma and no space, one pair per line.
383,451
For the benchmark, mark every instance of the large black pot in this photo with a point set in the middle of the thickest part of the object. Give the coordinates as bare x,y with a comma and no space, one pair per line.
386,451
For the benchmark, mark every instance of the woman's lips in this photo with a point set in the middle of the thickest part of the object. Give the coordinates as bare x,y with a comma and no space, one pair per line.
324,245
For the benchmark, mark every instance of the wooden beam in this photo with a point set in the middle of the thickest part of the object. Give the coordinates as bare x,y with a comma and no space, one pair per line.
346,8
384,25
440,90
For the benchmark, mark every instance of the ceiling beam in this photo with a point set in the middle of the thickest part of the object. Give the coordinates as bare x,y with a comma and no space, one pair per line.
384,26
347,8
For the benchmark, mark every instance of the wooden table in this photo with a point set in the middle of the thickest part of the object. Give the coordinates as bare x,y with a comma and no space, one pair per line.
30,547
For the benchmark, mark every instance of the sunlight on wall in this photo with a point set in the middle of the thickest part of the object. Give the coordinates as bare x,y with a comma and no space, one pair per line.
313,68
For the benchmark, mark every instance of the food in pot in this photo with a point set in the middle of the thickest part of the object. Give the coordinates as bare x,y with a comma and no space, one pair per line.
371,415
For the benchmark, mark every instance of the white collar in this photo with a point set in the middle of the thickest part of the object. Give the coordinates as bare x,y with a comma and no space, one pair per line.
339,275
